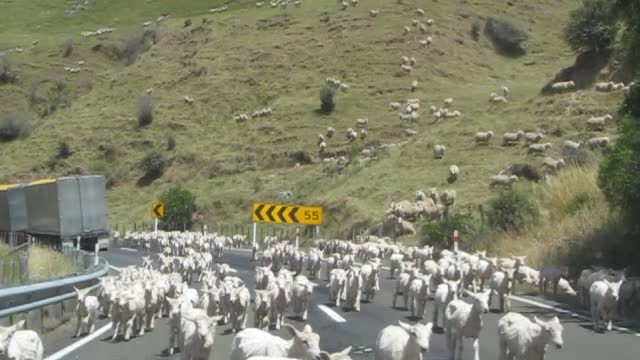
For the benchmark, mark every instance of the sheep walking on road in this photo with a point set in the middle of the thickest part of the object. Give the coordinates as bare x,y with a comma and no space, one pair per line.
523,339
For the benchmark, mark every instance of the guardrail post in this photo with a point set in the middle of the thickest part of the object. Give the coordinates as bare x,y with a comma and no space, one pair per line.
24,265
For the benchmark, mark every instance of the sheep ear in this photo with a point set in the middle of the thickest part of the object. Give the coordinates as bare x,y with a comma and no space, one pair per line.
21,324
556,320
429,325
292,331
325,356
307,329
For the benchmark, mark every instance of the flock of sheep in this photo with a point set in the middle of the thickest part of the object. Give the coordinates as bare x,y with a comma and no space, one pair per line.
197,293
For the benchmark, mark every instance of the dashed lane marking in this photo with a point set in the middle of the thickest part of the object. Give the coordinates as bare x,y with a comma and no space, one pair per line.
129,249
332,314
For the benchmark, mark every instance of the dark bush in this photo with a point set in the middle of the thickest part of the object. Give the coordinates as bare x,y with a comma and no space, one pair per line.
511,210
59,96
476,26
153,164
526,171
179,205
187,23
7,74
171,142
145,110
13,126
67,47
440,234
327,104
108,151
506,36
136,44
63,150
301,157
581,157
592,27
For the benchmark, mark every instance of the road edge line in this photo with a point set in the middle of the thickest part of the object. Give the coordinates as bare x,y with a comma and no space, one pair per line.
78,344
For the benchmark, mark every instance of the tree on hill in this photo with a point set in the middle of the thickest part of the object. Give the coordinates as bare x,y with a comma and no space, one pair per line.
179,204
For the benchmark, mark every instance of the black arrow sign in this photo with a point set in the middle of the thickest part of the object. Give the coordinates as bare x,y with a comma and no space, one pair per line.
292,215
156,210
281,214
258,212
270,212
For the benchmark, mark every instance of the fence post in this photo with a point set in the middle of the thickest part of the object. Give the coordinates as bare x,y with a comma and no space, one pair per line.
482,218
11,266
24,265
1,272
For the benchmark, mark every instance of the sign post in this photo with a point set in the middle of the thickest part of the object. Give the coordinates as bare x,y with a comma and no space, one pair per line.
157,212
297,237
286,214
456,240
255,230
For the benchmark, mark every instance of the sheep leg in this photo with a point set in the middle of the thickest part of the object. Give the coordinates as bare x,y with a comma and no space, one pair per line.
78,325
405,297
459,347
541,287
395,297
92,325
594,316
501,302
503,349
435,315
476,349
357,302
306,311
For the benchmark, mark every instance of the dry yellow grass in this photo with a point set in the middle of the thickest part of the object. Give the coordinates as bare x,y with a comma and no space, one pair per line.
566,224
43,263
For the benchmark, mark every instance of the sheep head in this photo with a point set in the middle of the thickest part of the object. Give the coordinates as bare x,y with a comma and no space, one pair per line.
6,334
420,334
552,331
306,341
480,300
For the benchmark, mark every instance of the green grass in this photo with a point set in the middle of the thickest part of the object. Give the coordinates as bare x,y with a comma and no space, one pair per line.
248,58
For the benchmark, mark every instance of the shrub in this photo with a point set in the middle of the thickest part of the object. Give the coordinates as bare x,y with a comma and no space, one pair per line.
63,150
475,30
179,206
13,126
257,185
440,234
136,44
301,157
327,104
526,171
99,167
108,151
187,23
511,210
67,47
145,110
153,164
59,96
506,36
7,74
171,142
592,27
580,158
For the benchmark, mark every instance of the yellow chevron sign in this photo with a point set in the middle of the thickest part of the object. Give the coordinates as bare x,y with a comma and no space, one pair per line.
287,214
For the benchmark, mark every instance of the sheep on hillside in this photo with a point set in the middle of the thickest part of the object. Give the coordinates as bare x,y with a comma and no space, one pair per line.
538,148
563,86
483,138
510,138
438,151
502,180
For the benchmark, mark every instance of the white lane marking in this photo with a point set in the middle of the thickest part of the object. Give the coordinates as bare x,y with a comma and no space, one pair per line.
78,344
115,268
332,314
573,314
129,249
242,250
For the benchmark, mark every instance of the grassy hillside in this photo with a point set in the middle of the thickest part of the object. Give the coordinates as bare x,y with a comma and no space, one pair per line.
248,58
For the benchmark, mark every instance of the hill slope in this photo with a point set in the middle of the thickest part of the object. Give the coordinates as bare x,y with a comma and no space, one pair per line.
248,58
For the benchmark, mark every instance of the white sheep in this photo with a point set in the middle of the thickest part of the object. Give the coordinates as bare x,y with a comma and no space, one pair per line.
197,332
189,100
438,151
523,339
406,68
601,142
86,311
362,122
345,5
504,91
447,197
407,30
538,148
353,288
352,135
553,165
445,293
448,102
410,132
304,345
414,85
403,342
483,137
420,12
502,180
373,12
336,285
604,297
422,28
563,86
569,147
301,296
501,284
454,173
430,22
598,123
533,137
604,86
19,344
394,105
464,320
511,138
415,22
496,99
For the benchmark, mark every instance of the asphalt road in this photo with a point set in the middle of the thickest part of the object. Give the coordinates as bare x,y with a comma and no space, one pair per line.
359,330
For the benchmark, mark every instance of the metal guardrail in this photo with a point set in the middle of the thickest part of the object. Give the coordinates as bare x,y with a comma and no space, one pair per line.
44,305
